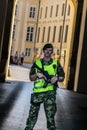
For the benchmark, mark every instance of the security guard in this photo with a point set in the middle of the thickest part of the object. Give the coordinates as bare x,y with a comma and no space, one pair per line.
44,90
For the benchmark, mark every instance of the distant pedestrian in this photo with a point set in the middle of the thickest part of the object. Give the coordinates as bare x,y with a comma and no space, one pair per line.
16,57
11,59
36,56
22,58
55,56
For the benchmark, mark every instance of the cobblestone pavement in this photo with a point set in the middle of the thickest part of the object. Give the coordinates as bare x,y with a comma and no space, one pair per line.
15,103
19,73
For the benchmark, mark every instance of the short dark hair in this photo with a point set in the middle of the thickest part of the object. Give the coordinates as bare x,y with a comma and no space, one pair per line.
48,45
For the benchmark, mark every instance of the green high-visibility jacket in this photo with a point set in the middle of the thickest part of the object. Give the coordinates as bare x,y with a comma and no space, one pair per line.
39,83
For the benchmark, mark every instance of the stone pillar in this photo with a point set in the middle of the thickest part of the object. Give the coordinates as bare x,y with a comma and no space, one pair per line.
6,11
73,60
80,84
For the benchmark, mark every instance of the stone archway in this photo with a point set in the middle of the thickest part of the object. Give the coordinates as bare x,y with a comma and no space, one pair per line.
78,69
6,13
7,7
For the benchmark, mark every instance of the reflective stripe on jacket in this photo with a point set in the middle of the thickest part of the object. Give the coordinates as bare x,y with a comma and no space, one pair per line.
39,83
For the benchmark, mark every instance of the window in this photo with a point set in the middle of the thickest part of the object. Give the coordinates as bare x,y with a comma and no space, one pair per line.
38,34
46,12
32,12
66,33
57,6
51,12
58,52
16,10
14,32
68,13
36,50
48,34
27,52
30,31
60,33
43,34
63,9
64,58
54,32
41,13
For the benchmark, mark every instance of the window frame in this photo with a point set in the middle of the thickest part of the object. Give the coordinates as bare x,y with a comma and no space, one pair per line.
30,34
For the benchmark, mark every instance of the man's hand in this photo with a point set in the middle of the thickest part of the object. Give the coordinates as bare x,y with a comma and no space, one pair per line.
54,79
41,76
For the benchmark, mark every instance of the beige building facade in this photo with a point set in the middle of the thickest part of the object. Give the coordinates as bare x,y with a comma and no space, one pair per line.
37,22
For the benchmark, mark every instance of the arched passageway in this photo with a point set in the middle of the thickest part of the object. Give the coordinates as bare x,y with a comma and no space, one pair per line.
78,70
75,81
6,12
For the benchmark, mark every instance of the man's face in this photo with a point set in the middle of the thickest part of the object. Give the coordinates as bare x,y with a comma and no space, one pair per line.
48,52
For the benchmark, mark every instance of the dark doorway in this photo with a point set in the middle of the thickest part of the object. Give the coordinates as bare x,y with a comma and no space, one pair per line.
75,46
